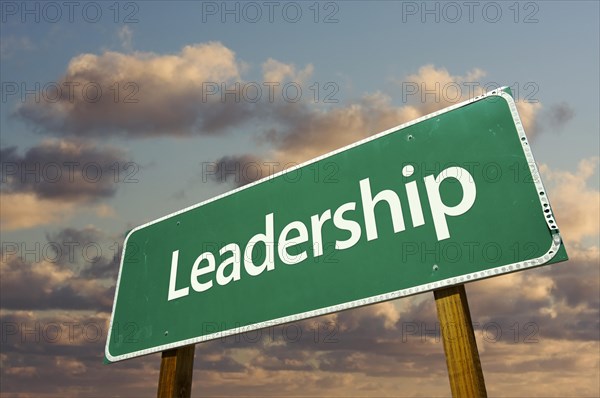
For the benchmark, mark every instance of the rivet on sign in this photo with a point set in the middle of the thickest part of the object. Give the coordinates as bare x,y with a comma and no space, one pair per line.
166,332
435,267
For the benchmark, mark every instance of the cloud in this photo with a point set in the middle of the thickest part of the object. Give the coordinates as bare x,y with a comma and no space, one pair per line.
307,132
11,45
73,269
300,131
142,94
575,202
559,301
105,211
279,72
528,112
51,181
433,88
49,286
26,210
553,365
61,169
372,357
59,353
198,91
240,170
97,255
371,350
537,119
557,116
126,37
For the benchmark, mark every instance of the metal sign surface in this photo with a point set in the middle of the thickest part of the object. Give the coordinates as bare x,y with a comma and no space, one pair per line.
452,197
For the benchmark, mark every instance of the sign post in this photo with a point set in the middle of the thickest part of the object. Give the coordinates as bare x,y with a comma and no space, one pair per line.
176,368
450,198
462,357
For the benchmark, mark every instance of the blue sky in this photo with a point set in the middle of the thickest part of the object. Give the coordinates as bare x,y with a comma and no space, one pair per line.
366,56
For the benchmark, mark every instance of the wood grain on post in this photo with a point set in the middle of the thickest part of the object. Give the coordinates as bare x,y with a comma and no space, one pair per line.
176,368
462,357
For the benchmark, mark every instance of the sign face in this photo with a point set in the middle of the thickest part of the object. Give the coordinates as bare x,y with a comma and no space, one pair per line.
452,197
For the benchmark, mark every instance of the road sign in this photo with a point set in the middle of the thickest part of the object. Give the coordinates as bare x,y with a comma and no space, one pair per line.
449,198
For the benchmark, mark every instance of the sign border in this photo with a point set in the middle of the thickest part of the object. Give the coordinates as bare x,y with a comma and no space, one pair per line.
504,269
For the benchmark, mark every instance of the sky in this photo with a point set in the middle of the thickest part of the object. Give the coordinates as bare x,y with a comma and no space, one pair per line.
117,113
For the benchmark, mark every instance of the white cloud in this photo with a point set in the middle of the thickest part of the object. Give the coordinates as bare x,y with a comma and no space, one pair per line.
26,210
126,37
276,71
142,93
11,45
575,202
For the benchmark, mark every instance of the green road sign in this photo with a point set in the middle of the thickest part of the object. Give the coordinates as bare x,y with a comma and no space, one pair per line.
452,197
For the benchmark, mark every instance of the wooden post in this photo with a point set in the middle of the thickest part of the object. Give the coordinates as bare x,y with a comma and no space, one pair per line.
176,368
462,357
